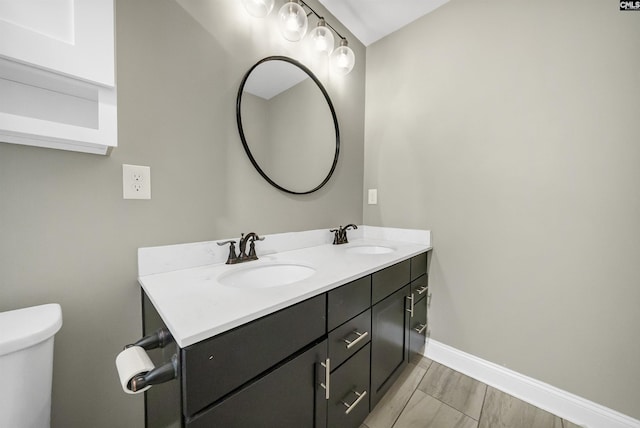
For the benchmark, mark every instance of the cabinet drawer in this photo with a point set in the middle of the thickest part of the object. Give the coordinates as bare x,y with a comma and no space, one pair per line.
349,399
388,280
347,339
348,301
289,396
217,366
418,329
418,265
420,287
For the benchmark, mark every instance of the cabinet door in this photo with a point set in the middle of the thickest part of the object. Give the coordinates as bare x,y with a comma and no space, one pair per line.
73,38
389,342
349,398
289,397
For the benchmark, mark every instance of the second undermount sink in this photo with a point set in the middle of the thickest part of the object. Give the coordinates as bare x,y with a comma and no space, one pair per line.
266,276
370,249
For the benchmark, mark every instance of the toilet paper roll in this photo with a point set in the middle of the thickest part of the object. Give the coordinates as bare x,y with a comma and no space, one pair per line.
130,363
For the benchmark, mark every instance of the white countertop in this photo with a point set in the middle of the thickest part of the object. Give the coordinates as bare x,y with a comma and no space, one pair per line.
195,305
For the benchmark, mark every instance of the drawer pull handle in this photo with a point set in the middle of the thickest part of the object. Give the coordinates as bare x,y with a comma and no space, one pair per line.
352,406
352,343
422,289
420,329
410,310
327,377
429,300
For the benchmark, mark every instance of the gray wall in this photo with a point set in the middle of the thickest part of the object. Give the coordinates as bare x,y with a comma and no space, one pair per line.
512,127
66,234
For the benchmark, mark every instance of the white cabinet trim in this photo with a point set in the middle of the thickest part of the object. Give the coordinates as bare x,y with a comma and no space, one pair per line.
57,84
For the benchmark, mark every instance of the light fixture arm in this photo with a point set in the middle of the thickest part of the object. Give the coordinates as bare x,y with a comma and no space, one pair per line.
321,17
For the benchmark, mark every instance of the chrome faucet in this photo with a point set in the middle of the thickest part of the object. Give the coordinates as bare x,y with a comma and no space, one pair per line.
340,234
243,256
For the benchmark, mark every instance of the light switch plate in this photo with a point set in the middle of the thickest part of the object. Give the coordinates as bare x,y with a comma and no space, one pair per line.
136,182
373,196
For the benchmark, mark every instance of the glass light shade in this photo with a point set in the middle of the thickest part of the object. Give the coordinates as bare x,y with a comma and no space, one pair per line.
343,59
258,8
292,21
321,39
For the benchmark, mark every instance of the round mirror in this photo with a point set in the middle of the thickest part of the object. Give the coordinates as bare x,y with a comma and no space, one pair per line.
288,125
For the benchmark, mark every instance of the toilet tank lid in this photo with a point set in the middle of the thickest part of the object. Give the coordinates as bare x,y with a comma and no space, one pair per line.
25,327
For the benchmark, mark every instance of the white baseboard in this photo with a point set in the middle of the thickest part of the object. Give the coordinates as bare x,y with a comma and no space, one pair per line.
561,403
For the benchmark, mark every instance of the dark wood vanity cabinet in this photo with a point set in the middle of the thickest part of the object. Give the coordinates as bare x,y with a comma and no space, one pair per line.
322,363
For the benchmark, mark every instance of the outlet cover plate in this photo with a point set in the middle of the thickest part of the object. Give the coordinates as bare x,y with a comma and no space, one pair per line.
136,182
372,197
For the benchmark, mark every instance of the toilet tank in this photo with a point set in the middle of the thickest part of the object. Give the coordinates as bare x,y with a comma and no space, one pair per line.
26,365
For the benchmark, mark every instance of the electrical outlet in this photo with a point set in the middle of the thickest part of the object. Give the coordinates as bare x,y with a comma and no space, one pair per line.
136,182
373,197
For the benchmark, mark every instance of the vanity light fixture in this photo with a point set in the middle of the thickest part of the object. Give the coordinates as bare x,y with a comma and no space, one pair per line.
321,38
293,21
343,59
258,8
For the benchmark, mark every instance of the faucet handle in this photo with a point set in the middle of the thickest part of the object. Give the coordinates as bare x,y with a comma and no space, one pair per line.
231,241
233,258
253,237
336,235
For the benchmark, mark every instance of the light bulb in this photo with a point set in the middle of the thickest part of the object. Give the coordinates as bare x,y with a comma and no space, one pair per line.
258,8
321,38
343,59
292,21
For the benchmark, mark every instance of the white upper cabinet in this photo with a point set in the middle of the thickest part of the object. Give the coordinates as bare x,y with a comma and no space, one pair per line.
57,74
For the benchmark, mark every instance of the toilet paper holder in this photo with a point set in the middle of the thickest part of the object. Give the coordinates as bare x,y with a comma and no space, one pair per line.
164,373
159,339
158,375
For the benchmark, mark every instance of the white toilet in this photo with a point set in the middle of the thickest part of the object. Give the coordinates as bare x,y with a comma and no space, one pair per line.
26,365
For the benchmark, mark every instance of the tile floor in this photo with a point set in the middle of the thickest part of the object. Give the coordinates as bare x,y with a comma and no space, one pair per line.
430,395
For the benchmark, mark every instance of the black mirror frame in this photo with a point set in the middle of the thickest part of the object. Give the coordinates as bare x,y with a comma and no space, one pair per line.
244,140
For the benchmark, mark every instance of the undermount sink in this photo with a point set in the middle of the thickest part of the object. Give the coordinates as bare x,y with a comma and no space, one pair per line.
370,249
266,276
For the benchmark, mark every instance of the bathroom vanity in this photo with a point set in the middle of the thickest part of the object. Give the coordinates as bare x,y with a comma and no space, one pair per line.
320,351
